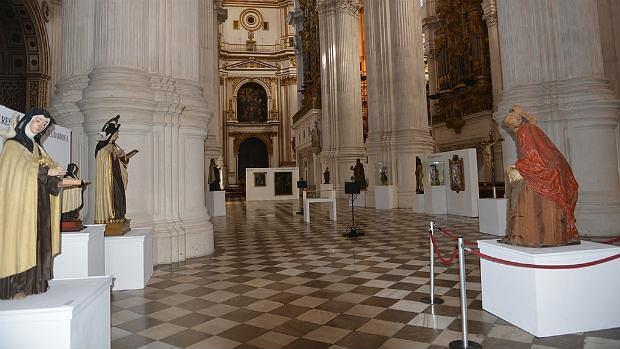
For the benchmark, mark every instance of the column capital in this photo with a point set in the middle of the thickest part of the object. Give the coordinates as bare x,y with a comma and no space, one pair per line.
333,6
490,12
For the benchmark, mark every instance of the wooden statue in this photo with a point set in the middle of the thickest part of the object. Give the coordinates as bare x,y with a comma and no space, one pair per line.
542,191
72,202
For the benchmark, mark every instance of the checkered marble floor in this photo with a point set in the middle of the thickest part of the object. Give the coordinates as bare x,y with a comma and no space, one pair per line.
276,282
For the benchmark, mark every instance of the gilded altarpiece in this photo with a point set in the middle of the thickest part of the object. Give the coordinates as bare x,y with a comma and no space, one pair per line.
310,51
462,60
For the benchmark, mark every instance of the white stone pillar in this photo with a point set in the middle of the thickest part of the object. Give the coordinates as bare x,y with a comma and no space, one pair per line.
398,124
209,77
76,57
552,65
340,88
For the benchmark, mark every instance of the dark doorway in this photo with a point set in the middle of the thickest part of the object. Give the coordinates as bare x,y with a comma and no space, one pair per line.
252,153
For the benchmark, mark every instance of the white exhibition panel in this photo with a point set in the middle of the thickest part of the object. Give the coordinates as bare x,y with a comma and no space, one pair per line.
72,314
57,142
552,302
359,200
385,197
82,253
492,216
267,192
216,203
129,259
465,202
420,205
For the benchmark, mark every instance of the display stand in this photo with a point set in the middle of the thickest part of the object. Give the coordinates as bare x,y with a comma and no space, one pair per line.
492,216
360,199
385,197
216,203
436,200
83,253
73,313
419,203
547,302
129,259
308,201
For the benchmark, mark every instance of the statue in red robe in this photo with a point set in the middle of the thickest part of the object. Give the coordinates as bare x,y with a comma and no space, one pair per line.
542,190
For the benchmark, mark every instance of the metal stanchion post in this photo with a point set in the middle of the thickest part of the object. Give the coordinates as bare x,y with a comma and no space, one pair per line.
432,300
463,344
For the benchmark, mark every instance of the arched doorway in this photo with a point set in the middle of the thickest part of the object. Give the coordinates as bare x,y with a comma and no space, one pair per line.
24,53
252,153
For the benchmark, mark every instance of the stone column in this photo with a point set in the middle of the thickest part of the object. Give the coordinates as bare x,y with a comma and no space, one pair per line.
490,17
209,77
398,124
76,57
429,26
552,65
340,88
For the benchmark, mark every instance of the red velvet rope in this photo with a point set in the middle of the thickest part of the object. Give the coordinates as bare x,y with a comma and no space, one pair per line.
454,237
443,260
611,241
539,266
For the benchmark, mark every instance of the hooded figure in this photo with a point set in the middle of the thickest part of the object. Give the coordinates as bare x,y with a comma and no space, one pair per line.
111,180
29,209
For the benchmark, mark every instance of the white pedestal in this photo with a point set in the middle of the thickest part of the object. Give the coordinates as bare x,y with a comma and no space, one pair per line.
216,203
360,199
419,203
82,253
435,200
129,259
552,302
385,197
332,208
327,191
492,216
73,313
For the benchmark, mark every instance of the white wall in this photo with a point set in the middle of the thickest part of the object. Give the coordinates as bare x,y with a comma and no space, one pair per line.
267,192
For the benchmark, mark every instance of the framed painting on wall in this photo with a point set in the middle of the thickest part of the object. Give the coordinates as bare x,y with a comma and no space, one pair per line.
259,179
283,183
457,174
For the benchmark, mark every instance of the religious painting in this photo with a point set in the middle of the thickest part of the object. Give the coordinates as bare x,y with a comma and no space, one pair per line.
283,183
252,103
436,173
259,179
457,174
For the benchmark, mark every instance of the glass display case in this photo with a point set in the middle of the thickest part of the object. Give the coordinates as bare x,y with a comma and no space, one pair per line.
383,175
436,172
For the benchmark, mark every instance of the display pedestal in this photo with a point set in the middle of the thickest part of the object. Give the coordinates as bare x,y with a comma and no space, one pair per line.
492,216
435,200
552,302
82,253
385,197
327,191
216,203
360,199
129,259
73,313
419,204
332,208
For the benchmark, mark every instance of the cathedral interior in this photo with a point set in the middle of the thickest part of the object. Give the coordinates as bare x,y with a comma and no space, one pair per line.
316,85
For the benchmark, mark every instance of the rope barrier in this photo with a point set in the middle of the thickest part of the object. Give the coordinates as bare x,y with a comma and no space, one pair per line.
540,266
443,260
454,237
610,241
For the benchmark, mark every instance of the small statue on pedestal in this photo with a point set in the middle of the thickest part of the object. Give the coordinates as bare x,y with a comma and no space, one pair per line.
72,202
111,180
30,182
384,178
358,174
419,176
214,176
326,176
542,191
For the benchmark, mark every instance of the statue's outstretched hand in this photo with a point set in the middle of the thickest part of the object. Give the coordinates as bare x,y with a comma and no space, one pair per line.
56,171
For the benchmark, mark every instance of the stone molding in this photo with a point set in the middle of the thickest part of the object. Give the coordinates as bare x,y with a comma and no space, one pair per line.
489,7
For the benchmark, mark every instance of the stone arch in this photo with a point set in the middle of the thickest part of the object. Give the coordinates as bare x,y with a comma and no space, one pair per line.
261,136
24,47
253,152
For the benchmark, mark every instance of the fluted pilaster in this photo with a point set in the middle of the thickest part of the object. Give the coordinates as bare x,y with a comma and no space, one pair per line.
562,82
489,8
340,87
398,126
